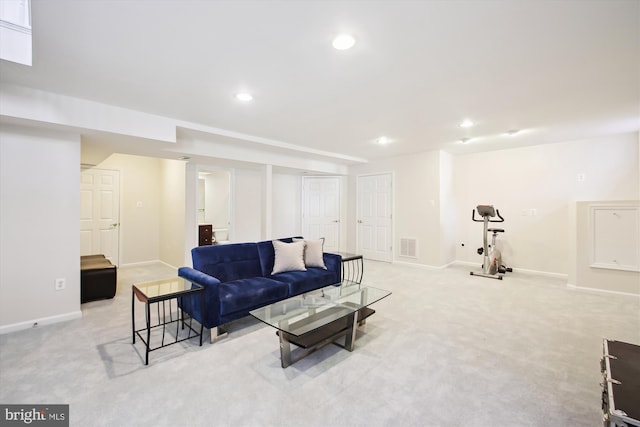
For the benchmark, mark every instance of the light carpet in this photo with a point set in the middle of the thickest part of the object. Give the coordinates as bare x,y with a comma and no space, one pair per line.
445,348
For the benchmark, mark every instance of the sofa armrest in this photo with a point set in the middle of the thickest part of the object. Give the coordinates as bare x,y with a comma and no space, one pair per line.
333,262
211,286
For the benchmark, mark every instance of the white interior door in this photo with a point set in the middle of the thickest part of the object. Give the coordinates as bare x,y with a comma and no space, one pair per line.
321,210
100,213
374,217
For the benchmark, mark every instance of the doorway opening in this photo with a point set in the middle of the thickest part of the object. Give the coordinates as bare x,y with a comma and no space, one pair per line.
214,203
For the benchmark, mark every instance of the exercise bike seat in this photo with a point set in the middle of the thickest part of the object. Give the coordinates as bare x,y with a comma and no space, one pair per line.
496,230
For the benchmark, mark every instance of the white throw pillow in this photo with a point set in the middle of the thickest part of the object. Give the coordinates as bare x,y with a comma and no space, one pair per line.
288,257
313,252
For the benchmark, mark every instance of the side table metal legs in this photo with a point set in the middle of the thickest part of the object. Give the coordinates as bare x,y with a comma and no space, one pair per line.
165,317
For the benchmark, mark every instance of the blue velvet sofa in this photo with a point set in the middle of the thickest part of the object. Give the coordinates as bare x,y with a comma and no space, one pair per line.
237,279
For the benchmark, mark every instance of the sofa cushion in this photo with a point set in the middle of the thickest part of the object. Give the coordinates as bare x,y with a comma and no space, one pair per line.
228,262
305,281
288,256
267,255
313,252
247,294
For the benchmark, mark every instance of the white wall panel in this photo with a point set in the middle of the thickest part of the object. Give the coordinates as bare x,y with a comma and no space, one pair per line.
40,212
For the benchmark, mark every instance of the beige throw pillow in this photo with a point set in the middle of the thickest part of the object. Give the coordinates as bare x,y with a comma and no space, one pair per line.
288,257
313,252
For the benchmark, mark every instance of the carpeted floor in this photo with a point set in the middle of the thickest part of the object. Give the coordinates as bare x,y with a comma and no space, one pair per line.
444,349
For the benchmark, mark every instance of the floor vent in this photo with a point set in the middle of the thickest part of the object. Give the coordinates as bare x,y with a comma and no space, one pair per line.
408,247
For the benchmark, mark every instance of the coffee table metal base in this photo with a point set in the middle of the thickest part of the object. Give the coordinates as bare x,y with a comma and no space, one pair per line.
315,340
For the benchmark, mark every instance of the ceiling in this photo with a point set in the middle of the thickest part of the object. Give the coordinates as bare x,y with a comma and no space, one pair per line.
556,70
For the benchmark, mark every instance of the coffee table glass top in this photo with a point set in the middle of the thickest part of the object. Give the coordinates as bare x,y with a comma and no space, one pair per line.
305,313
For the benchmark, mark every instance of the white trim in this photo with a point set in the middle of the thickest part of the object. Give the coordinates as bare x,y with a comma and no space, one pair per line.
518,270
143,263
423,266
601,291
15,27
267,142
34,323
606,264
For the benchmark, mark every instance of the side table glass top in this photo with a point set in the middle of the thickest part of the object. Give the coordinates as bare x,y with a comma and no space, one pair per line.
159,289
305,313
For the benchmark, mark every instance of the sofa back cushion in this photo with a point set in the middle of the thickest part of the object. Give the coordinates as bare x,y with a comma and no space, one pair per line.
267,254
228,262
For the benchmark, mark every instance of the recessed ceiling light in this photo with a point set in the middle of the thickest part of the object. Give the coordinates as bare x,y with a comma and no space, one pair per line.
466,123
512,132
344,42
244,96
465,140
383,140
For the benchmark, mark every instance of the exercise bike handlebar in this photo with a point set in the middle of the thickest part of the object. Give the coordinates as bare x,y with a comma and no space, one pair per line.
473,217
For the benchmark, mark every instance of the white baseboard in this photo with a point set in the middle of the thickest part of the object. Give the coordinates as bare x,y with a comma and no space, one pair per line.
143,263
415,265
518,270
601,291
34,323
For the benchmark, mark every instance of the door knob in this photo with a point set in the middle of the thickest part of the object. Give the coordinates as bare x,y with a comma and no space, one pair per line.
359,221
335,220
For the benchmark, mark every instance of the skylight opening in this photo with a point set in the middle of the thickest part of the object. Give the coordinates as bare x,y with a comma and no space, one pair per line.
15,31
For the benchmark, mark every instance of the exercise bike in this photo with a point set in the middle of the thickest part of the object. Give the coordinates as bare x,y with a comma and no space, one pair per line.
492,266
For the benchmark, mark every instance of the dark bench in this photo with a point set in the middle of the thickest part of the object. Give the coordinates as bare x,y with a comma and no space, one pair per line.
98,278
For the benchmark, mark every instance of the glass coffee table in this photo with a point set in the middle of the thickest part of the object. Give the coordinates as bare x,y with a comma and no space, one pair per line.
315,319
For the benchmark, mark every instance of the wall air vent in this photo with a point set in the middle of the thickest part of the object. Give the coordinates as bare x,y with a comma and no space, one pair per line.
408,247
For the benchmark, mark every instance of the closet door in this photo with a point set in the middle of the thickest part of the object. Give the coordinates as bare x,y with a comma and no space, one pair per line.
100,213
374,227
321,210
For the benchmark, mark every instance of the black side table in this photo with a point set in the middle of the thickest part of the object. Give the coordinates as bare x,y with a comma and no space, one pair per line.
164,291
352,267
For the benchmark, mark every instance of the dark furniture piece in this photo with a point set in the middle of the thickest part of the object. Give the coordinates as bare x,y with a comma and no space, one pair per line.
352,267
237,279
620,367
205,235
313,320
164,291
98,278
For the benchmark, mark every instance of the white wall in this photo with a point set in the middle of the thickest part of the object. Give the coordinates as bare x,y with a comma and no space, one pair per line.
172,212
448,211
247,205
287,205
152,208
217,185
516,181
39,226
543,178
417,203
140,203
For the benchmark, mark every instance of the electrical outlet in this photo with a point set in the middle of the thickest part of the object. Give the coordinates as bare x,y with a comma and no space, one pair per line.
533,212
61,284
581,177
